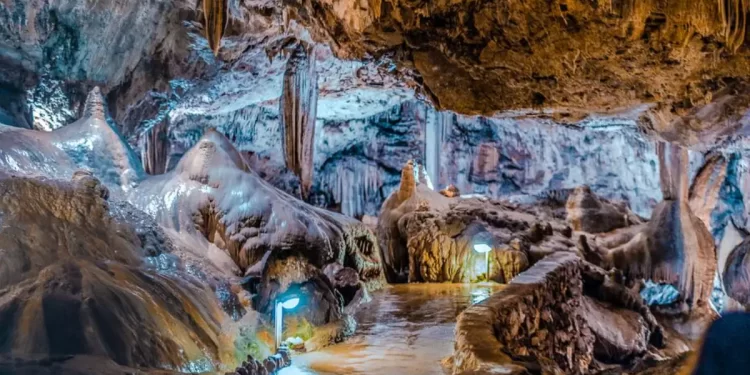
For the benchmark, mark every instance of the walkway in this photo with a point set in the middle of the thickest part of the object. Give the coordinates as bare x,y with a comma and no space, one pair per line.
405,330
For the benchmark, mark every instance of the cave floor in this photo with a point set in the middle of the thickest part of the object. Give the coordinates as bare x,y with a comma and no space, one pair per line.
406,329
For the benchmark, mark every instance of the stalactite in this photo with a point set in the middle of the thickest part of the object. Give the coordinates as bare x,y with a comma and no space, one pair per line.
298,106
215,14
733,15
352,183
156,150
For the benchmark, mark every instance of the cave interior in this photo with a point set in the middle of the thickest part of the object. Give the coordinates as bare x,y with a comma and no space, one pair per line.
335,187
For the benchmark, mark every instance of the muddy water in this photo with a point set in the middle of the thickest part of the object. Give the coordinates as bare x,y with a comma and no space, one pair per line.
406,329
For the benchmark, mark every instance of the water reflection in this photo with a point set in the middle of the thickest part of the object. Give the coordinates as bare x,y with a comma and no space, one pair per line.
406,329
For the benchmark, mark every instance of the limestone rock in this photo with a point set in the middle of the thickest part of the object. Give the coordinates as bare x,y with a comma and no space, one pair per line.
451,191
589,213
79,276
620,334
736,275
239,226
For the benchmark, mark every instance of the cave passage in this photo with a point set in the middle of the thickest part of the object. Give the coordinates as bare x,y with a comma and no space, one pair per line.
406,329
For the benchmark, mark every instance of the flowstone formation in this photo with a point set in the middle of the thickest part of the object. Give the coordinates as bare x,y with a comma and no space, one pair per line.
234,222
426,236
75,283
92,143
208,247
581,307
674,247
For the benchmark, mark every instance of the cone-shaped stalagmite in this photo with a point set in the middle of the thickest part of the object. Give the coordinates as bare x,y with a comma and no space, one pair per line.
215,15
298,105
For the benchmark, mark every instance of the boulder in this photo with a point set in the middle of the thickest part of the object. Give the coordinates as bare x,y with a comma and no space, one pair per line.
588,213
620,334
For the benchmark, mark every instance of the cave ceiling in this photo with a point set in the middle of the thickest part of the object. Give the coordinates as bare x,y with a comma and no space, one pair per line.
677,68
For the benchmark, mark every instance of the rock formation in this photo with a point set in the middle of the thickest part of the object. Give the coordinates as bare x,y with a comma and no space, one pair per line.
427,237
222,241
216,16
73,282
705,188
298,107
559,316
91,143
239,226
522,103
588,213
736,274
674,248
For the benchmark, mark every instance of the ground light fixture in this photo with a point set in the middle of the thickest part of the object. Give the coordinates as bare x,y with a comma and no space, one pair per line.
286,302
485,249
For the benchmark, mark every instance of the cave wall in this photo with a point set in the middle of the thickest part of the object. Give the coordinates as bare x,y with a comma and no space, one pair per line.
505,157
358,162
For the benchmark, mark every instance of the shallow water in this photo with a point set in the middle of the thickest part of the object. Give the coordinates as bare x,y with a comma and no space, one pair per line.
406,329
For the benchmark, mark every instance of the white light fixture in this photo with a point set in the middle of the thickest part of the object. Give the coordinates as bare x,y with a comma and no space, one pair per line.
483,248
288,303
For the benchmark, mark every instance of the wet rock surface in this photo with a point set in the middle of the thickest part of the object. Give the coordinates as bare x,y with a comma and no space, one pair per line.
276,243
74,283
203,247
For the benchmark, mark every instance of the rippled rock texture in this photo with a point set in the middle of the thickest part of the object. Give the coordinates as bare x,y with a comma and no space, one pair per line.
74,281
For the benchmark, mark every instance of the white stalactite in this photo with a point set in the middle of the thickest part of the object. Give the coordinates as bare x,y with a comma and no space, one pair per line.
351,184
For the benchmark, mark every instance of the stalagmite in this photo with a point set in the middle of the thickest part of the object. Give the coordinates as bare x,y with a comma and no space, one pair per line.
298,106
675,247
408,182
215,14
94,106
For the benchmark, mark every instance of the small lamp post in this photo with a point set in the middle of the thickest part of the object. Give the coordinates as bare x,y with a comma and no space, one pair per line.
287,303
485,249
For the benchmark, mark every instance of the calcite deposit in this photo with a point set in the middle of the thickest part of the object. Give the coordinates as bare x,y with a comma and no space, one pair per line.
172,169
205,246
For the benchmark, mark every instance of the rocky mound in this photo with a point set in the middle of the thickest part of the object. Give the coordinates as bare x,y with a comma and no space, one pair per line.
235,224
73,282
90,143
559,316
426,236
